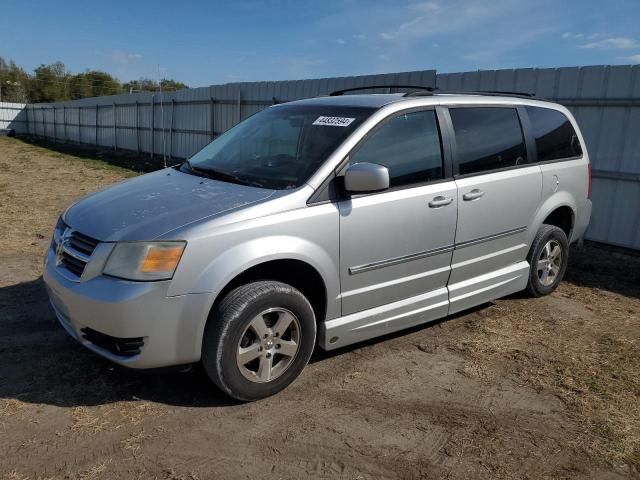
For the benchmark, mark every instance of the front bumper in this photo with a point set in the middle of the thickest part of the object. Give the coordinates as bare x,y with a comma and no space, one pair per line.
171,327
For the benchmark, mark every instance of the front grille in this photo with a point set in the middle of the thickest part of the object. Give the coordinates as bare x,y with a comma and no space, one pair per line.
123,347
83,243
73,264
76,251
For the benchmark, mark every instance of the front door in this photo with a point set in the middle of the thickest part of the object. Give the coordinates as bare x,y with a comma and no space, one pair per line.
396,245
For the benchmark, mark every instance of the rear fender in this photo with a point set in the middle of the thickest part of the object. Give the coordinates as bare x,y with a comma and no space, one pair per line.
555,201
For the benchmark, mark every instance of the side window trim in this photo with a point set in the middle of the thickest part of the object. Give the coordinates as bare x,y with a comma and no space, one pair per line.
558,160
447,140
326,192
527,131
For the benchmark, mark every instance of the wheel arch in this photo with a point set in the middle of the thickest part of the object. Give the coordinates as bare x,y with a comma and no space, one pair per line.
297,273
296,261
559,209
563,217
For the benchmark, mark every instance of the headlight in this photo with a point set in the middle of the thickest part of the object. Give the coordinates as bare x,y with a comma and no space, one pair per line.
144,260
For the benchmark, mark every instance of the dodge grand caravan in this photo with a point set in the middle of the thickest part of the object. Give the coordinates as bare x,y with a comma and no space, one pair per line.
329,220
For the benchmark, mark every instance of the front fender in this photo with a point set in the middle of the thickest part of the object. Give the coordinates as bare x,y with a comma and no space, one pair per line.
233,261
226,266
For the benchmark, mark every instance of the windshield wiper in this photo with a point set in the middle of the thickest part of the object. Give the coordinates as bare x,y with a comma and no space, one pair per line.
220,175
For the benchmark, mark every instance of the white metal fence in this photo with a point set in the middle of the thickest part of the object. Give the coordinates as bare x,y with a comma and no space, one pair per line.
604,99
178,124
13,116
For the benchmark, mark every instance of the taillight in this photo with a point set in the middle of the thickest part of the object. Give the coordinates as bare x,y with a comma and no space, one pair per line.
589,188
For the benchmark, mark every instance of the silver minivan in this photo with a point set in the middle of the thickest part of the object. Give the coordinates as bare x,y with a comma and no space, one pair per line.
330,220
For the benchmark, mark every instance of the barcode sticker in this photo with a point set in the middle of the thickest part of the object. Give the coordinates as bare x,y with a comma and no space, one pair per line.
334,121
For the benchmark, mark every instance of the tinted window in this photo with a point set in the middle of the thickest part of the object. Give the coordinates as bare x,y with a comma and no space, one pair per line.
408,145
487,138
554,134
278,148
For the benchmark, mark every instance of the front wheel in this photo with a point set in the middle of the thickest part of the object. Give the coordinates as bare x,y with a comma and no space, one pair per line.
548,257
258,339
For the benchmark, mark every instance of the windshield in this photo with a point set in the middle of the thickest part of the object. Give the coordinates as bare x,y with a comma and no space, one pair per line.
278,148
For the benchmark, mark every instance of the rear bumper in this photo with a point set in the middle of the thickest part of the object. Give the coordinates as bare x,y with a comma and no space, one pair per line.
583,216
170,326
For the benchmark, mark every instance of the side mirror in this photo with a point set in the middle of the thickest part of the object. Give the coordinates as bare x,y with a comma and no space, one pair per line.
366,177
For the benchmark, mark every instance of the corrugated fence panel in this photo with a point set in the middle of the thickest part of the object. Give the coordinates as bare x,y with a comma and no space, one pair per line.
177,124
13,116
604,99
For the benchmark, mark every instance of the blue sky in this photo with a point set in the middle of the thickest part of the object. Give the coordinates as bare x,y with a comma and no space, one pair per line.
208,42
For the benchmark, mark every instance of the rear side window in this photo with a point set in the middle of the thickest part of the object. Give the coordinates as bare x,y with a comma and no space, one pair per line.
487,138
408,145
554,134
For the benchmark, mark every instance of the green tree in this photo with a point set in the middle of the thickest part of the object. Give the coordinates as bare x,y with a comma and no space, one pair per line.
103,84
14,83
50,83
148,85
141,85
53,83
80,86
172,85
93,83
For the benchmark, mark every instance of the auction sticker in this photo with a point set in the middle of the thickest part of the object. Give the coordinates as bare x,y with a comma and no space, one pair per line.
334,121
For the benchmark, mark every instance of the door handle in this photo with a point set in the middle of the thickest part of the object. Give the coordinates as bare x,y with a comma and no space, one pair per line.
473,195
440,201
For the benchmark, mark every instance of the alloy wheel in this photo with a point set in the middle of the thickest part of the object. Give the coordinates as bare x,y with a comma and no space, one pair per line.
268,345
549,263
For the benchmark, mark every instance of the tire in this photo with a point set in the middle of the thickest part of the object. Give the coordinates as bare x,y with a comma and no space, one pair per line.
548,238
249,322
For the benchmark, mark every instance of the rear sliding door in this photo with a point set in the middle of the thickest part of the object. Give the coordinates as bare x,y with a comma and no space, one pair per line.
498,195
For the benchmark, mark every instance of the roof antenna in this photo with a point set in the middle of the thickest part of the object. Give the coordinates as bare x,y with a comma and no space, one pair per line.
164,142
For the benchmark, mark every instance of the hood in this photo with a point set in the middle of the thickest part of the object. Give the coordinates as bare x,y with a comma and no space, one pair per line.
145,207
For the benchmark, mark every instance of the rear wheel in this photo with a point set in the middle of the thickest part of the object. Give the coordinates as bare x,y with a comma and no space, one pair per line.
548,257
258,339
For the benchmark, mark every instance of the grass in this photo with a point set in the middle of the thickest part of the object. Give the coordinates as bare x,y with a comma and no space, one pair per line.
134,442
36,185
86,420
586,354
94,471
73,154
15,475
99,157
10,407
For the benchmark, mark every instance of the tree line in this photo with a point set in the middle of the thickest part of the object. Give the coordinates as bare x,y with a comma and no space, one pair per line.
53,83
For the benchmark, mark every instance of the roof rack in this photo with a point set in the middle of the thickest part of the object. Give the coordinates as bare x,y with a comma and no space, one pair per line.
490,93
419,91
337,93
507,93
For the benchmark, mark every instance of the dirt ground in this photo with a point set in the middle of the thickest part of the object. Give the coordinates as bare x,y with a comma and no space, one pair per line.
521,388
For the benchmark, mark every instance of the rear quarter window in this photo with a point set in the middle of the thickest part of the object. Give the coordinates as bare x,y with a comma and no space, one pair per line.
555,137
